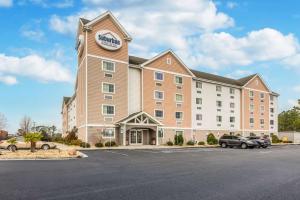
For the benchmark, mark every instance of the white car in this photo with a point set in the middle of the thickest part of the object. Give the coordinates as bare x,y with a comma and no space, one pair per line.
21,144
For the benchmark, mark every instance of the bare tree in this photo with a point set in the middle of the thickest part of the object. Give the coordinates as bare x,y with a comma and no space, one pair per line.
25,124
3,121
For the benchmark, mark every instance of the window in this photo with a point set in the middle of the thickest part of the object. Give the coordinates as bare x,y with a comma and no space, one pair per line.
179,97
179,132
218,88
231,90
271,98
232,105
219,118
108,66
272,110
251,94
159,113
158,76
271,122
169,61
198,101
108,133
160,133
262,95
178,115
232,119
198,117
262,121
219,103
251,120
178,80
158,95
251,107
262,108
108,88
108,110
198,84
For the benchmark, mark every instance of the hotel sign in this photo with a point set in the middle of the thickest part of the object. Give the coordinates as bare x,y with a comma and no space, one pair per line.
108,40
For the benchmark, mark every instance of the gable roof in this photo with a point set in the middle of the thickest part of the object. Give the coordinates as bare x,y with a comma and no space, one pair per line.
89,23
84,21
136,114
246,79
164,53
216,78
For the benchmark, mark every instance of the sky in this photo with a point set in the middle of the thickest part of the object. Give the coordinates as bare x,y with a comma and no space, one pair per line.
230,38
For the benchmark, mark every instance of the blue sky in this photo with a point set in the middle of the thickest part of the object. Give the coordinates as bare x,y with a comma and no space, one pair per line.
230,38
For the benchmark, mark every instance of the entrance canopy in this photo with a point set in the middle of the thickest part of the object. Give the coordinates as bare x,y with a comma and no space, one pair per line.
140,119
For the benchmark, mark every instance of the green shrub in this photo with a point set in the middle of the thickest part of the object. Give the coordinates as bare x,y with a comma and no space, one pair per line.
275,139
201,143
211,139
110,144
178,139
170,143
99,144
85,145
75,142
191,143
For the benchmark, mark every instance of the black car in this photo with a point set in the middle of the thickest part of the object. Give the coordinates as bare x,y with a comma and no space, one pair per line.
263,142
237,141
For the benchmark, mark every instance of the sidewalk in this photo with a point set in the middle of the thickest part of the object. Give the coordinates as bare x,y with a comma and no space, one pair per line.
66,147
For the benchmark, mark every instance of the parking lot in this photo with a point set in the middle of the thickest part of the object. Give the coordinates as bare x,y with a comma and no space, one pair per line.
193,173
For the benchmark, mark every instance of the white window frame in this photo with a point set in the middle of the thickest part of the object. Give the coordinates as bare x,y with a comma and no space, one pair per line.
251,92
262,120
163,94
114,133
232,104
162,131
200,118
251,123
261,95
106,113
262,108
169,61
109,84
176,98
217,118
200,103
177,76
162,113
199,83
232,117
163,76
251,107
231,90
105,70
218,105
181,115
218,86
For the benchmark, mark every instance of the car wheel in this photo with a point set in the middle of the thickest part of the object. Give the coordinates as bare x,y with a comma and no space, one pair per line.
244,146
45,147
223,145
12,148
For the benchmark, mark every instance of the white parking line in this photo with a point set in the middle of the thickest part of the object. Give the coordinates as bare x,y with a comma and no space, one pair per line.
123,154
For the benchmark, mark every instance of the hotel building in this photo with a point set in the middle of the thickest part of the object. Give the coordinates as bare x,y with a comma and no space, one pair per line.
134,100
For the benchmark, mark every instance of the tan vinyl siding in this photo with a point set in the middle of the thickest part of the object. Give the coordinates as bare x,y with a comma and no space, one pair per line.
95,49
96,97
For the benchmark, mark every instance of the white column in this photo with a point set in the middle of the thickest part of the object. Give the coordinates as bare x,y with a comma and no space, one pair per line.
156,136
124,136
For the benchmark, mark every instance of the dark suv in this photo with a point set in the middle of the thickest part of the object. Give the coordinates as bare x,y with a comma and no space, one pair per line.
237,141
263,142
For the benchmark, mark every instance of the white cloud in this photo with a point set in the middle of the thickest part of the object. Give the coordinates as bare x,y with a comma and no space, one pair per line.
223,49
293,102
6,3
36,35
231,4
33,66
8,80
239,74
297,88
48,3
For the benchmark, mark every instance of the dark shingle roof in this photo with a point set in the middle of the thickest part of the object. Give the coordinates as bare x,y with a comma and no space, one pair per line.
216,78
246,79
66,99
136,60
84,21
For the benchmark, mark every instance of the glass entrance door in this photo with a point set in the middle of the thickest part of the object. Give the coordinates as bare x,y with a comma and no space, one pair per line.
136,137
